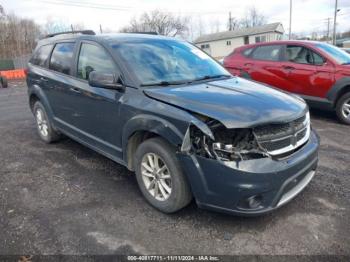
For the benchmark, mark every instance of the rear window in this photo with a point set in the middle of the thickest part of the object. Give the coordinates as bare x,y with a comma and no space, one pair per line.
267,52
61,58
41,55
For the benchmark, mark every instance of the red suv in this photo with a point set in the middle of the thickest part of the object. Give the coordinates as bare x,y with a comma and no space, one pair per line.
318,72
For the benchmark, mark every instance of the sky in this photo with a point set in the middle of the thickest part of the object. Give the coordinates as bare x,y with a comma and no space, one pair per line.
308,15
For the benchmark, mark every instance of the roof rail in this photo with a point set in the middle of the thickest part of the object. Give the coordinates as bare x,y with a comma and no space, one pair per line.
146,33
84,32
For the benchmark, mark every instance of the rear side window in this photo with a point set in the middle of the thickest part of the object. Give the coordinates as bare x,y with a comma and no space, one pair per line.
41,55
61,58
247,52
94,58
267,52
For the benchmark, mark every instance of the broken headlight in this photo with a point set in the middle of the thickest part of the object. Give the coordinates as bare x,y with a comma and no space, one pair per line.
227,145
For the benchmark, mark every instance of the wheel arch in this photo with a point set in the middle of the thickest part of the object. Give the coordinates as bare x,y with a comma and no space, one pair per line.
37,94
143,127
341,87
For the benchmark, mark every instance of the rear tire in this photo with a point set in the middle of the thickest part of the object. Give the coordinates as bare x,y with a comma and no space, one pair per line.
161,180
343,109
44,126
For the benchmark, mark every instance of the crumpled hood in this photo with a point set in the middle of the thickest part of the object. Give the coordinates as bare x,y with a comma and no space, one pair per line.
235,102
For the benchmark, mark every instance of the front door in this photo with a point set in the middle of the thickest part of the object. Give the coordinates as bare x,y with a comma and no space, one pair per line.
88,113
306,70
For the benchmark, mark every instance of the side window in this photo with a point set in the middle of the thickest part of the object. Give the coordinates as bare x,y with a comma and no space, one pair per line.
318,60
267,52
303,55
61,58
260,39
247,52
41,55
94,58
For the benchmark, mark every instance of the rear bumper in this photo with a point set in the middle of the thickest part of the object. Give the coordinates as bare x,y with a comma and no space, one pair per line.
227,186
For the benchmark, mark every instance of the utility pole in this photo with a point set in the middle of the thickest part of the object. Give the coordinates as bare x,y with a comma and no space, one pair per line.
335,23
229,22
290,19
328,27
100,28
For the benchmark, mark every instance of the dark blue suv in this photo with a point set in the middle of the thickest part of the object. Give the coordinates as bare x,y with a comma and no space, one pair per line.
166,110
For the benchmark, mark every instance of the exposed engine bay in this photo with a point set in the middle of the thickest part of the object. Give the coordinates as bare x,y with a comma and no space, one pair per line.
248,143
229,145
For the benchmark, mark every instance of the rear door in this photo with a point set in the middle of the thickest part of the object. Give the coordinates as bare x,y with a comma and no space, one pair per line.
264,65
38,67
59,80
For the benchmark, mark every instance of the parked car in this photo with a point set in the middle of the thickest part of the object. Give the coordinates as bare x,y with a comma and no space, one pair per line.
318,72
3,82
346,50
166,110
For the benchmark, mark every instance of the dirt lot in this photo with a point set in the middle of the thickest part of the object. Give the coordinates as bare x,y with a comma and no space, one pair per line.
66,199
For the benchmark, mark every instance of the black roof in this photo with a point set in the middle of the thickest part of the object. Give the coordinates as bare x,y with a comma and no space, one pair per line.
107,38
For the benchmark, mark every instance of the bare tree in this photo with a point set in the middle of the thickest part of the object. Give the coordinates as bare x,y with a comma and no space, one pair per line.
2,12
55,26
163,23
233,24
18,36
253,18
215,26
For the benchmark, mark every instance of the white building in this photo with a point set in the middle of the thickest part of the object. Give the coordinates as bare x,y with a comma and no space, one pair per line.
219,45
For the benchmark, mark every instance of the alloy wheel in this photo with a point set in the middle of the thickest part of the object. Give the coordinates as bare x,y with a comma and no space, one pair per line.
346,108
41,122
156,176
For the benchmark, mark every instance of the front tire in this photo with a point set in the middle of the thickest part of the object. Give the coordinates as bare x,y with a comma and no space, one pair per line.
44,126
160,177
343,109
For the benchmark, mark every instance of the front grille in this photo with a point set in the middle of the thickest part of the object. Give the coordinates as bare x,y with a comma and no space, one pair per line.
281,138
275,145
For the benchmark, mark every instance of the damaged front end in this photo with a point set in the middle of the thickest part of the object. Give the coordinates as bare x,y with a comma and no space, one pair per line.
224,144
269,140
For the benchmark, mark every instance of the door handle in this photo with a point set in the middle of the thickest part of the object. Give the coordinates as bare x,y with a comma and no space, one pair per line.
248,64
43,79
75,90
288,67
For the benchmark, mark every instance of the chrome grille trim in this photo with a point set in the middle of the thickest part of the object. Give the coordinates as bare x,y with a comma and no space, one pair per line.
290,135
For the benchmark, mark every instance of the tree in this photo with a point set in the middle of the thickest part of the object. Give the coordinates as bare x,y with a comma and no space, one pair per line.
55,26
2,12
163,23
18,35
253,18
233,24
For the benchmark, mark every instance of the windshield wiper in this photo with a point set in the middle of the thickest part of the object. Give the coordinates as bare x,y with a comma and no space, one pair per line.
165,83
168,83
207,77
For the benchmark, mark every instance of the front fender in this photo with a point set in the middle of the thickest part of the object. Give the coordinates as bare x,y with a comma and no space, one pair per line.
154,124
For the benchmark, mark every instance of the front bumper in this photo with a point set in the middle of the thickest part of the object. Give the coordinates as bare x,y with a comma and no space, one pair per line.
226,186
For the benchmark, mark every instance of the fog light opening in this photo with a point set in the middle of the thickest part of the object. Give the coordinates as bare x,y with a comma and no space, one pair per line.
254,201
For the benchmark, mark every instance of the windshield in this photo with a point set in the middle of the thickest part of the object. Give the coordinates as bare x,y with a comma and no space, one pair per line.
159,61
336,53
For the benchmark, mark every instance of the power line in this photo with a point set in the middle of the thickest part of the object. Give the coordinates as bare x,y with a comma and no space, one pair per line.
87,5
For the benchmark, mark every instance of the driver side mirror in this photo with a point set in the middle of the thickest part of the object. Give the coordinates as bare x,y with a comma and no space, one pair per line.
105,80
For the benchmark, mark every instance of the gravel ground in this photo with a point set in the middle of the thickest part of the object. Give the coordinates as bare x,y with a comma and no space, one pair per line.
66,199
